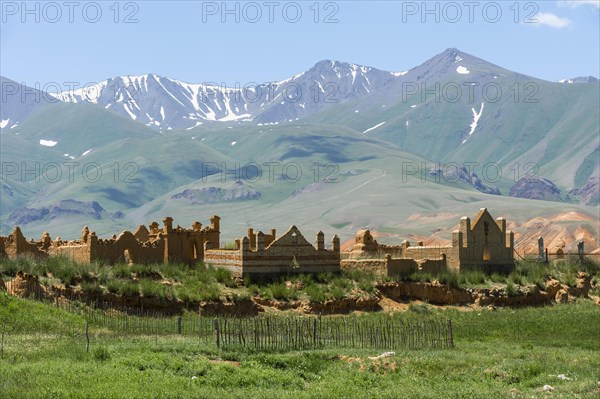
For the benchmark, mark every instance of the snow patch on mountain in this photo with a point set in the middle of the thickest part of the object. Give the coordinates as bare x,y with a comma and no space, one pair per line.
48,143
131,114
473,125
462,70
4,123
374,127
196,125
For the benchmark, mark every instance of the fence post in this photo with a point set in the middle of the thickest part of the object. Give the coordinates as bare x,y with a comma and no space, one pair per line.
179,325
87,337
2,340
217,334
450,339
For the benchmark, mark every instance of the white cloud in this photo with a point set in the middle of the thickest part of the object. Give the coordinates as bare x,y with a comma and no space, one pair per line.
577,3
551,20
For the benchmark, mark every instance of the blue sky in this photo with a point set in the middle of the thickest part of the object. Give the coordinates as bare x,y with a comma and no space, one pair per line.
198,41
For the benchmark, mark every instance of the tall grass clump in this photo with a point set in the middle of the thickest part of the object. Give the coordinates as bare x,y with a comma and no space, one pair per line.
450,277
316,293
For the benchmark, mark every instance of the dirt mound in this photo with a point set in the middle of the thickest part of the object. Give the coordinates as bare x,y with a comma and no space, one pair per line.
332,306
499,297
434,293
440,294
583,284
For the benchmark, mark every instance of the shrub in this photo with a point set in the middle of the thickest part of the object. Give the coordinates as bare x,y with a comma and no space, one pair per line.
450,278
342,283
511,290
337,292
516,278
103,276
101,353
280,292
315,293
306,279
121,271
129,288
91,287
66,275
179,272
420,308
323,278
188,295
223,276
475,277
146,271
113,286
87,275
152,289
253,290
209,292
367,286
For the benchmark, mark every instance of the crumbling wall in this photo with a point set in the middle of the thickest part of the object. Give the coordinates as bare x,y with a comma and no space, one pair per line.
24,285
187,245
230,259
73,250
126,248
400,267
16,245
267,238
377,266
432,266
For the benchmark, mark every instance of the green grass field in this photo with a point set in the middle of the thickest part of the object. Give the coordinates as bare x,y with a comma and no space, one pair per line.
498,354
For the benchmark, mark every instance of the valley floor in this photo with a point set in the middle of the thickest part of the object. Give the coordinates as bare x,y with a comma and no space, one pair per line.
551,351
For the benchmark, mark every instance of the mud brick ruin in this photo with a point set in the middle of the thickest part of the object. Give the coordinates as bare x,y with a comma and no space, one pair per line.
153,245
483,245
262,255
258,254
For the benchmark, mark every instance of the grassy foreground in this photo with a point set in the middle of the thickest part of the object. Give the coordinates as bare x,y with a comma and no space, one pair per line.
498,354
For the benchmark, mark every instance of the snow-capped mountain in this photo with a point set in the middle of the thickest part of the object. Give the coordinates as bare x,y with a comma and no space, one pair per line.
166,103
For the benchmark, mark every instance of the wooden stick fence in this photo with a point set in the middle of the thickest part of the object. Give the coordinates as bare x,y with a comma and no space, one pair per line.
267,333
299,333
